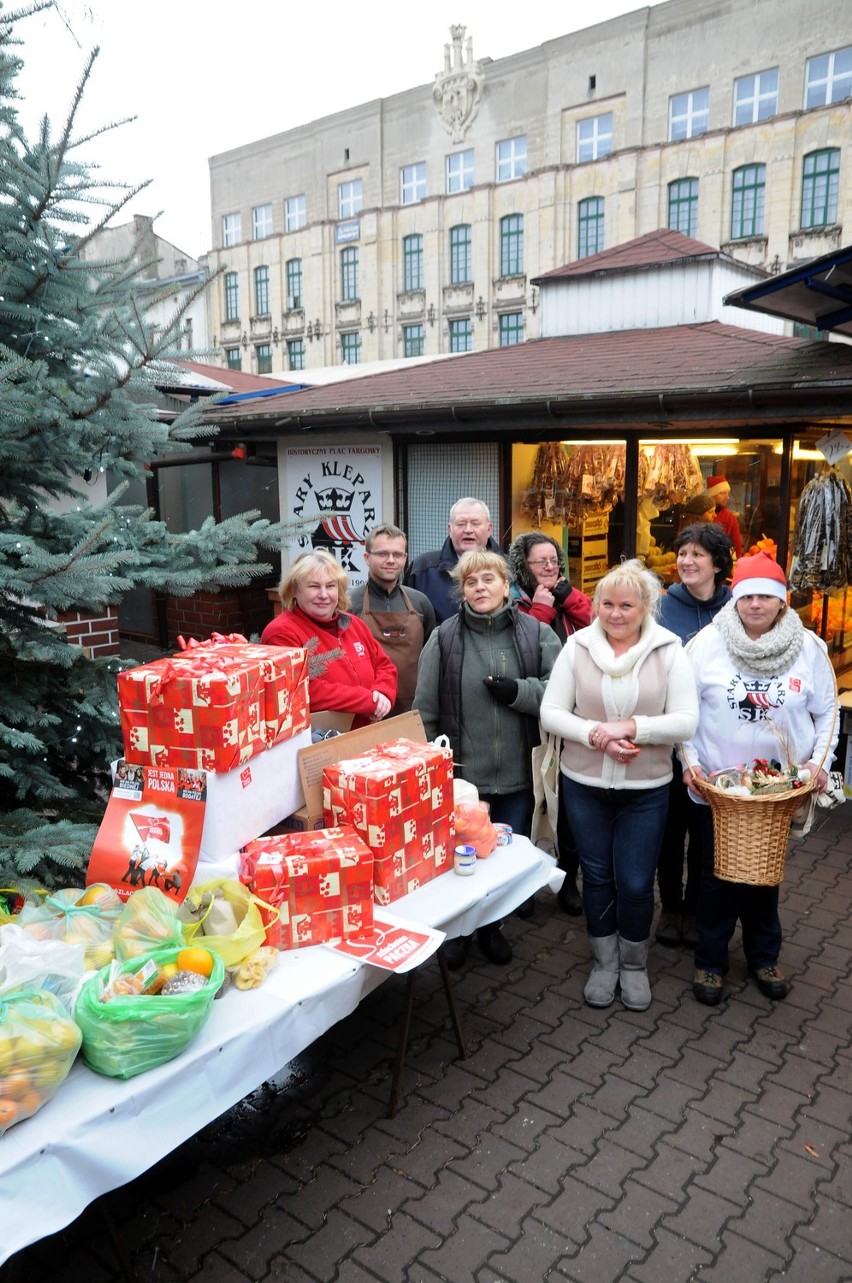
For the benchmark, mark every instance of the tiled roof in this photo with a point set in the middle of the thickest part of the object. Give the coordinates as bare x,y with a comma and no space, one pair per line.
232,380
661,246
572,371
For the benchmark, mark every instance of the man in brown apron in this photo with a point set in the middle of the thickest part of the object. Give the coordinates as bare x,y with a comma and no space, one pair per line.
400,619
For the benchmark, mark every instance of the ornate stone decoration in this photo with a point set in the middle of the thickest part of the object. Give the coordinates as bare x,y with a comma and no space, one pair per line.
458,88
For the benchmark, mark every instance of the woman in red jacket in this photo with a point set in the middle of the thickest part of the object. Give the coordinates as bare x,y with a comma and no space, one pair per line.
349,671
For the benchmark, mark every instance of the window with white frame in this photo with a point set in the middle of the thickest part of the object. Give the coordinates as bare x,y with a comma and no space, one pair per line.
261,222
748,198
512,245
412,183
461,335
511,158
459,171
349,274
296,354
594,137
261,291
460,255
350,198
683,206
755,97
820,183
293,272
828,78
295,213
350,348
590,226
232,296
232,232
263,356
511,329
413,340
689,114
412,263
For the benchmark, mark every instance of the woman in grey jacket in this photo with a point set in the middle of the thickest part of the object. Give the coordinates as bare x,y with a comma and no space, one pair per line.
621,694
480,681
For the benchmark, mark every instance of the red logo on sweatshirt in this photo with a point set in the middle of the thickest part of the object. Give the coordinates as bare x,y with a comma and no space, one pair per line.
795,684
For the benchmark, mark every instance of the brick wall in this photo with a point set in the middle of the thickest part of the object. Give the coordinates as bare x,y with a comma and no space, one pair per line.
97,633
240,610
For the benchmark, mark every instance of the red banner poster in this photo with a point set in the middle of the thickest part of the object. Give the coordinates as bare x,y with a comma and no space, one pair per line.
151,832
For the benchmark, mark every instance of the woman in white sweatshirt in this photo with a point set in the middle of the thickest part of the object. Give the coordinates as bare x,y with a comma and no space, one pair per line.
621,694
764,684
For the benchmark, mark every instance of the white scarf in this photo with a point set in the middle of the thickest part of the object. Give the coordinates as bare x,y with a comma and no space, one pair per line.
766,656
598,645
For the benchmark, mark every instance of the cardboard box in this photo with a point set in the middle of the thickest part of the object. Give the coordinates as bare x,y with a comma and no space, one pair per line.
213,707
321,883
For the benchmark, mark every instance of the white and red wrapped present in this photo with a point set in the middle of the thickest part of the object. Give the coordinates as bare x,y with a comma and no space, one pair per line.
320,882
214,706
399,798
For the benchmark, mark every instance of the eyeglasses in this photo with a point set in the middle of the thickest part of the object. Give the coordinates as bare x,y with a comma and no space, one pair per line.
388,556
544,563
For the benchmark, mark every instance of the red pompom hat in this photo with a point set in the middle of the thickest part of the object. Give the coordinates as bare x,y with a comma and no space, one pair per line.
760,575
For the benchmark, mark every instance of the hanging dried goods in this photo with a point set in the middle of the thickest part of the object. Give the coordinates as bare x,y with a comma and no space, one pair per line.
822,544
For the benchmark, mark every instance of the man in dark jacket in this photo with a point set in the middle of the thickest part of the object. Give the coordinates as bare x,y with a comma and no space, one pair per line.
469,527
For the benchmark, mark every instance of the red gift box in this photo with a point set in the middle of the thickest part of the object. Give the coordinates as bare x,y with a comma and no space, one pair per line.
399,798
214,706
321,883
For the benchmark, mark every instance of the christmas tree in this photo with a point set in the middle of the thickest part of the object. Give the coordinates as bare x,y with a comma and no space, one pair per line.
78,367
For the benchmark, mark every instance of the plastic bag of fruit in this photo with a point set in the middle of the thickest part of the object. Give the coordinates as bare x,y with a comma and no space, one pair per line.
27,963
77,915
474,827
38,1043
148,921
138,1014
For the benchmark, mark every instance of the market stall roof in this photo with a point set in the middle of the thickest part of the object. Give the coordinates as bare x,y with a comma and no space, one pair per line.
708,372
659,248
819,293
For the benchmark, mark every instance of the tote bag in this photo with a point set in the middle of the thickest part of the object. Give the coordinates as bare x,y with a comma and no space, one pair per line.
545,774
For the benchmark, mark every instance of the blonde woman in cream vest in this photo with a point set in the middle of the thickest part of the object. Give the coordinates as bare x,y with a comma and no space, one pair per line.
620,695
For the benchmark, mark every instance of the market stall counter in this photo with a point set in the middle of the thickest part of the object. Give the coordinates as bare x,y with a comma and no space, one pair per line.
98,1133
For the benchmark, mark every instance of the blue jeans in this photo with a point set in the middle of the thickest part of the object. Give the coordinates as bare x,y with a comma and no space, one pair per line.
721,903
515,809
618,834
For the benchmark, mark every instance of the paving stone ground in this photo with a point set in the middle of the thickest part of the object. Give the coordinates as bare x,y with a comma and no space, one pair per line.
681,1143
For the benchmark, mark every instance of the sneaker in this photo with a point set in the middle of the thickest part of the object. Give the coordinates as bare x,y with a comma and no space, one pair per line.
494,944
455,951
707,988
771,983
689,930
668,929
525,910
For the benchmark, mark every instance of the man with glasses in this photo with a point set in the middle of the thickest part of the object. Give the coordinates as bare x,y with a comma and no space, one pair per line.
400,619
469,527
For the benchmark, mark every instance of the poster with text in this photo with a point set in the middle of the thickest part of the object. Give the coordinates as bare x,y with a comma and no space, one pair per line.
337,490
150,835
391,943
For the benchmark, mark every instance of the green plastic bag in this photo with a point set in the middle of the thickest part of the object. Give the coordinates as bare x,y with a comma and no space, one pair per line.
136,1032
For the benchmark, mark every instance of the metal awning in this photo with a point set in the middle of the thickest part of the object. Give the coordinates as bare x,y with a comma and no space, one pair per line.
819,293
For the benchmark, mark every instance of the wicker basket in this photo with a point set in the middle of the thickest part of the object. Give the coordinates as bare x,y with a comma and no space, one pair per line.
750,834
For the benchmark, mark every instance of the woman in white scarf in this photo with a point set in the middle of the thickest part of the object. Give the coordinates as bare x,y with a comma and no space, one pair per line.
620,695
762,679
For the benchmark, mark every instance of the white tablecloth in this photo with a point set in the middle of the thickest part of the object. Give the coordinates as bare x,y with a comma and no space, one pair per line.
98,1133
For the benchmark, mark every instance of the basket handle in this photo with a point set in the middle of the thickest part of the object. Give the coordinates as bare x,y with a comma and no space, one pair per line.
697,782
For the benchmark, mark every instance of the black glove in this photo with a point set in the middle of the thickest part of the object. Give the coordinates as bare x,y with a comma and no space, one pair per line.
561,591
504,689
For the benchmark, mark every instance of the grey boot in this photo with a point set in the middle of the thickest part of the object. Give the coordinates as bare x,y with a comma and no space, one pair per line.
600,986
633,975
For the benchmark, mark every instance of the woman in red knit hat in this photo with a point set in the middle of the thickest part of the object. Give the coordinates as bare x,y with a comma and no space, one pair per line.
762,679
720,492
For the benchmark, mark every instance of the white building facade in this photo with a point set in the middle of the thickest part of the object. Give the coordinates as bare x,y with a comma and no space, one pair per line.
414,225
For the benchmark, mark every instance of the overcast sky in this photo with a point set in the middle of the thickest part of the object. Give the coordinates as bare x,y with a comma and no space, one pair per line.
203,76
